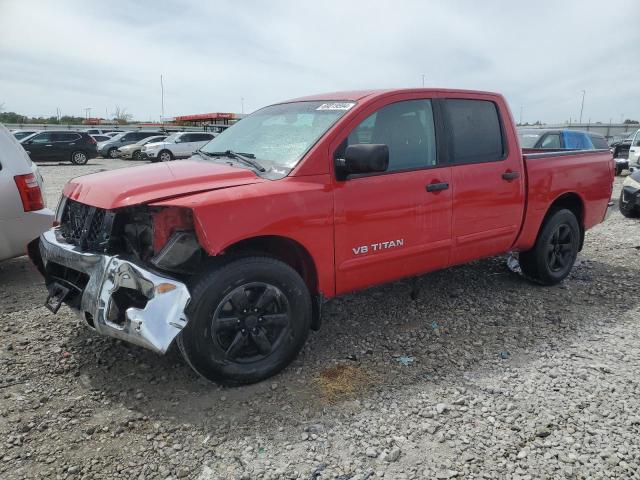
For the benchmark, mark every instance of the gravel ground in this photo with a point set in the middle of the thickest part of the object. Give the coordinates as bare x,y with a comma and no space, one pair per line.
471,372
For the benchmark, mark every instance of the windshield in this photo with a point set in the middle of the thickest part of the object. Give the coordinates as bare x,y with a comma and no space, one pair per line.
528,139
278,136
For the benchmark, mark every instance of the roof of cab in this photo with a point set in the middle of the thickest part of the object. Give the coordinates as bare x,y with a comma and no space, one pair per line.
355,95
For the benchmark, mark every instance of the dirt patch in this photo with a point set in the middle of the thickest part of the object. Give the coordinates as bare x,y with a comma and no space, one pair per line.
343,382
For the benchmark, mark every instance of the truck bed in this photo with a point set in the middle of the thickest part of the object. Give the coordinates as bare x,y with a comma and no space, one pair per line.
586,175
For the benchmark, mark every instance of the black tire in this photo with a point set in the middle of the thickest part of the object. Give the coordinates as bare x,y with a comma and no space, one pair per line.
112,152
137,155
234,308
627,209
555,251
618,170
79,157
165,156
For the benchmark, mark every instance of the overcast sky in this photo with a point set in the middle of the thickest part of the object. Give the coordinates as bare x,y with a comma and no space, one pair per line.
540,55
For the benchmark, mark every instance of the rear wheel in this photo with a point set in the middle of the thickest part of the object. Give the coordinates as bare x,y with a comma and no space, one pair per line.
627,208
165,156
248,319
79,158
555,251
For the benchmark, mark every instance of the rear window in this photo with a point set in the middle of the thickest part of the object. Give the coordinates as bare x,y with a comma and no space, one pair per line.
475,134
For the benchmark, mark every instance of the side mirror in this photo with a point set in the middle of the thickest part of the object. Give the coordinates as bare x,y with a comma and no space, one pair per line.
364,158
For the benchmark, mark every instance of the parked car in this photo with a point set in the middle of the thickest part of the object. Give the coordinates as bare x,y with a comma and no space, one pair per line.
231,252
178,145
109,149
561,139
76,147
20,134
100,138
132,152
634,151
621,147
23,213
629,203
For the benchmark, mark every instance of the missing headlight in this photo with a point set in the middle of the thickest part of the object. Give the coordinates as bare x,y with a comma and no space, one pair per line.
181,252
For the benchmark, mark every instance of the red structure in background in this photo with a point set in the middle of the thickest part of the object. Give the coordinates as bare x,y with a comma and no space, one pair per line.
216,118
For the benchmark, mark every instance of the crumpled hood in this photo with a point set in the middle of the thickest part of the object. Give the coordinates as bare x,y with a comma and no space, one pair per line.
148,183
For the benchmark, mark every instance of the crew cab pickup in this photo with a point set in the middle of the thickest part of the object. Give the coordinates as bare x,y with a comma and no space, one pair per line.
229,254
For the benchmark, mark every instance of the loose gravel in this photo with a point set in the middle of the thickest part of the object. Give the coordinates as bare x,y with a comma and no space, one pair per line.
471,372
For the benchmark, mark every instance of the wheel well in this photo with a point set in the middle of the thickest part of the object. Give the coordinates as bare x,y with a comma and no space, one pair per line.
284,249
293,254
572,202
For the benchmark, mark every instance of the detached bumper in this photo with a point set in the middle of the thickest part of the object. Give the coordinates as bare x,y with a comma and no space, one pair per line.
114,296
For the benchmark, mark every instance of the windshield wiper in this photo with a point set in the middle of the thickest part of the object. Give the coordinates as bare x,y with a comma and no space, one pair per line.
246,158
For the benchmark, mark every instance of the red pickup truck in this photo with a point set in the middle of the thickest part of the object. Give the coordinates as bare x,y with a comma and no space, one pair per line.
231,253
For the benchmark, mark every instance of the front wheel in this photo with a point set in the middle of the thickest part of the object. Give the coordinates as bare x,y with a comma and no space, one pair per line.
555,251
248,319
165,156
137,155
79,158
112,153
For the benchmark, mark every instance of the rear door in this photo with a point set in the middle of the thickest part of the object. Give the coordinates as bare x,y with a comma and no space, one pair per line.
487,178
64,143
392,225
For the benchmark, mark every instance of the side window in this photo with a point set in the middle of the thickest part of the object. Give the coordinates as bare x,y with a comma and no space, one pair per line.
65,137
577,141
475,134
187,137
42,138
201,137
551,140
407,128
636,141
599,143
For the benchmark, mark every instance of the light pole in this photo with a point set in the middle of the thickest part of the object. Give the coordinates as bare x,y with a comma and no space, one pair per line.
423,77
161,101
242,105
582,105
521,108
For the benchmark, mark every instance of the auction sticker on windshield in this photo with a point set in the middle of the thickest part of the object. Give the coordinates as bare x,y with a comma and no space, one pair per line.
335,106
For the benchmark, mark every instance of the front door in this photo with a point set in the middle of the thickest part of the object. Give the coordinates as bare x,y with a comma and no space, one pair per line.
40,147
393,225
487,180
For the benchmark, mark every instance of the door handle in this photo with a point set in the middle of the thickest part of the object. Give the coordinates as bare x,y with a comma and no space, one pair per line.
509,176
436,187
48,145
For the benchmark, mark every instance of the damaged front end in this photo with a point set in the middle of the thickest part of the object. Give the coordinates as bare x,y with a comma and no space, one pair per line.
124,270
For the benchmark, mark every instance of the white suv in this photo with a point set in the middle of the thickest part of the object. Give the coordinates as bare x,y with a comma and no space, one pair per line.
23,213
178,145
634,152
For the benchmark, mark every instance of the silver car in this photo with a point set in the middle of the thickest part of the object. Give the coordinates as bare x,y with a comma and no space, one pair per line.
23,212
132,152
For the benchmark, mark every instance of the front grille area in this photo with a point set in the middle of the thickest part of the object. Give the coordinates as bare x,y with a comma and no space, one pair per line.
85,226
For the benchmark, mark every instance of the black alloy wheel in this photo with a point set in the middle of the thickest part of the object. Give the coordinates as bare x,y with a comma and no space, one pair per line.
251,321
552,257
560,248
248,319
